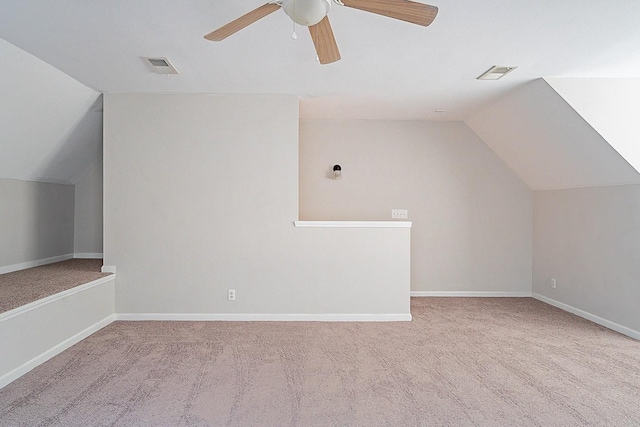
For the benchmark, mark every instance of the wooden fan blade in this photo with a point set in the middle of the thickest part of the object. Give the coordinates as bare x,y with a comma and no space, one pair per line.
324,41
244,21
405,10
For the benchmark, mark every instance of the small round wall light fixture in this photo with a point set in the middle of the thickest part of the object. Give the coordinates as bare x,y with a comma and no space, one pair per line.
337,172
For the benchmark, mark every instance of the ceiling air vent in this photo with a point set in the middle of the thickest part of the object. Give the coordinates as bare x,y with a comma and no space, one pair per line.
161,65
496,72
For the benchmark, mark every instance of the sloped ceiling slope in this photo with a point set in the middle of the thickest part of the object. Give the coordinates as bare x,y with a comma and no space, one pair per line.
611,107
389,69
547,143
50,125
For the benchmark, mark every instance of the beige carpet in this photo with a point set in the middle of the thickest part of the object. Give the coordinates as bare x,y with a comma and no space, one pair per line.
25,286
461,362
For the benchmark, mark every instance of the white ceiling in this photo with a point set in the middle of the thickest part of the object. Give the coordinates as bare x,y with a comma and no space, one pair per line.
390,69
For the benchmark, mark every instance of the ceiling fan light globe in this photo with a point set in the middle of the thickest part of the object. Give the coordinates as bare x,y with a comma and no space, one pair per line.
306,12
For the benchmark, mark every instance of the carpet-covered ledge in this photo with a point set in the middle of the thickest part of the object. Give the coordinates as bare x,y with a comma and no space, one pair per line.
19,288
49,311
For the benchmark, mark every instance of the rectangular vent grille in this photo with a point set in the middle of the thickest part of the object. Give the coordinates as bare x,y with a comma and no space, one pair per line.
161,65
496,72
158,62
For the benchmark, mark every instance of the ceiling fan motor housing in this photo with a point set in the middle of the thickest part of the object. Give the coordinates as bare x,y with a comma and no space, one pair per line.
306,12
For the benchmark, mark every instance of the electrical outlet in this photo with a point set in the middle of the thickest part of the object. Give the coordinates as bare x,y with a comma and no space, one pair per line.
553,283
399,213
231,294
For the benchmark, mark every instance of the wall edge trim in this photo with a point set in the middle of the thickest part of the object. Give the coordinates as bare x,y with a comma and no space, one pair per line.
473,294
54,351
88,255
35,263
352,224
55,297
266,317
108,269
632,333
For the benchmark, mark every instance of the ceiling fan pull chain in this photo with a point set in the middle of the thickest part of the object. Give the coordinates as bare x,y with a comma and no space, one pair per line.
294,35
316,30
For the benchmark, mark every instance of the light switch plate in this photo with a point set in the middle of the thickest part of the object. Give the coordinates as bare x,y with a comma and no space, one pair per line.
399,213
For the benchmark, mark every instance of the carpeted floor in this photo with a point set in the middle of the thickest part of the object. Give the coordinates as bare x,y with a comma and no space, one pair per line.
461,362
26,286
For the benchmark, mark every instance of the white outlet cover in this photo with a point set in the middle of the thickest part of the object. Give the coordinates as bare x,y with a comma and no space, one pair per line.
399,213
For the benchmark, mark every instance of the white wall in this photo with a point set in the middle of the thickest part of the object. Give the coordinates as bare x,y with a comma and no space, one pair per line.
200,195
560,135
589,240
547,143
36,222
50,131
471,215
88,213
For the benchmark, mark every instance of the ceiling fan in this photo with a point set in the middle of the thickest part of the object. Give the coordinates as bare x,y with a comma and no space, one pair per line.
313,14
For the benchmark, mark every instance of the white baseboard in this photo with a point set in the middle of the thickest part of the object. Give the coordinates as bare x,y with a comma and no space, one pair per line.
489,294
54,351
35,263
586,315
88,255
108,269
248,317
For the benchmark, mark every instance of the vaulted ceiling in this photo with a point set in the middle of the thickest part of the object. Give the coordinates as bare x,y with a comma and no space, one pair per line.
550,145
50,125
390,69
59,56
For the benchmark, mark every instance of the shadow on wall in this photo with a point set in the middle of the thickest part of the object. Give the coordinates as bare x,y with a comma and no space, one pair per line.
82,148
52,220
36,221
